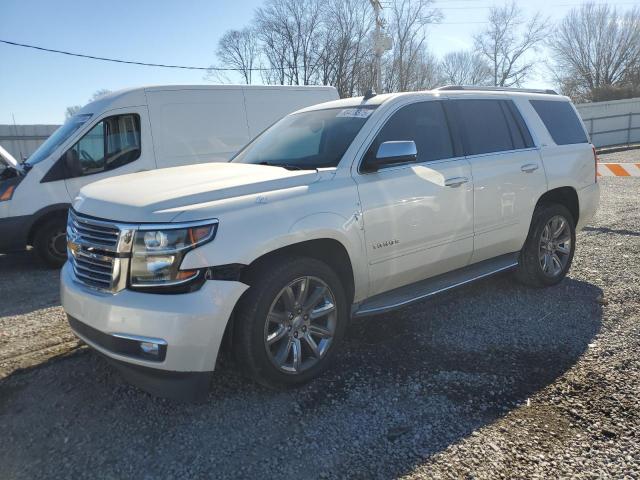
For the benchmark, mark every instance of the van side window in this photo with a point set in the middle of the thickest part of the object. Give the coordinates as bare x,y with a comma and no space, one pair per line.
111,143
426,124
484,126
561,121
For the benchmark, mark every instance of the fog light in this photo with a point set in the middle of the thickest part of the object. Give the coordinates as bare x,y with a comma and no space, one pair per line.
150,348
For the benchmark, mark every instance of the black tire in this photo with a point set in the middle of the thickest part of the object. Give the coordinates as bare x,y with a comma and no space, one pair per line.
50,242
267,283
531,269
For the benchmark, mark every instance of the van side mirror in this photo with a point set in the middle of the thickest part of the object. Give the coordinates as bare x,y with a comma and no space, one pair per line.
391,153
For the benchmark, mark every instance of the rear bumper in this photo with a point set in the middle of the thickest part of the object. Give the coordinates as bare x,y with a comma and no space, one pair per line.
588,199
190,326
14,232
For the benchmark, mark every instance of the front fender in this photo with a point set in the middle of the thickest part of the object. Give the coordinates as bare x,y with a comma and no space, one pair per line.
248,244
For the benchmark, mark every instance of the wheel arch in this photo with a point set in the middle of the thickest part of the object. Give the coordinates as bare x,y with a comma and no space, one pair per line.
58,210
566,196
327,250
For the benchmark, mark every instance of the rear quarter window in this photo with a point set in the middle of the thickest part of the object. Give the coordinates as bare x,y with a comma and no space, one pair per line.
561,121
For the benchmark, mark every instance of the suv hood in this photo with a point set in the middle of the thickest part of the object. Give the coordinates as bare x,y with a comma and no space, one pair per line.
7,159
161,195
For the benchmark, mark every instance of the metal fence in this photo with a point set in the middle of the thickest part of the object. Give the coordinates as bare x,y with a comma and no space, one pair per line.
626,134
22,140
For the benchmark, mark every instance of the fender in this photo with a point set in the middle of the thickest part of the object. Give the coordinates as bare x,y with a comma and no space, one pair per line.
316,226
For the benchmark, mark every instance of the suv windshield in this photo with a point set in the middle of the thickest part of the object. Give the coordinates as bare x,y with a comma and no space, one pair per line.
57,138
308,140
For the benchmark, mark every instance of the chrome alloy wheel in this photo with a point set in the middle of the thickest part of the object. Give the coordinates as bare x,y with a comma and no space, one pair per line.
300,325
555,246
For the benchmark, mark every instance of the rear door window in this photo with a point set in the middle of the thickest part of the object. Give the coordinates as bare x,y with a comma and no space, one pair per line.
561,121
484,126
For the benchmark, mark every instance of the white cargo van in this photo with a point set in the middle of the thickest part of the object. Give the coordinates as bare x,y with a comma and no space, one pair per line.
130,131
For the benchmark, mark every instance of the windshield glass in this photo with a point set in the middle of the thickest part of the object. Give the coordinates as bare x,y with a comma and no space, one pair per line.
308,140
57,138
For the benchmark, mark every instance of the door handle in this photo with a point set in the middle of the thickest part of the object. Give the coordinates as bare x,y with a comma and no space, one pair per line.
455,181
529,167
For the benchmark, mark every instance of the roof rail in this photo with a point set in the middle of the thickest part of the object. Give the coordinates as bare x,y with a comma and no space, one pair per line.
498,89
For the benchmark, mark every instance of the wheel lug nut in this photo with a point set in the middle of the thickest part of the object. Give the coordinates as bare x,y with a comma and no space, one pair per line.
295,334
304,328
306,317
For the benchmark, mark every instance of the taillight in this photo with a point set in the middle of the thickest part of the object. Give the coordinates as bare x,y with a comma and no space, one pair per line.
595,162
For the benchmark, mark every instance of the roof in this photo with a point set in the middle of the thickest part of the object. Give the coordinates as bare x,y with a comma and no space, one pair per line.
136,95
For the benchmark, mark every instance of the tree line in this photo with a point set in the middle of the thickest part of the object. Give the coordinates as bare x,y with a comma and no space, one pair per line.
593,53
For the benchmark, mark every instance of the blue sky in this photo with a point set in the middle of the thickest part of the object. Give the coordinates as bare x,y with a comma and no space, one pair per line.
36,87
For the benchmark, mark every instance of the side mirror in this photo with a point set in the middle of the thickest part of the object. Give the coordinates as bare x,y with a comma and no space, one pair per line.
391,153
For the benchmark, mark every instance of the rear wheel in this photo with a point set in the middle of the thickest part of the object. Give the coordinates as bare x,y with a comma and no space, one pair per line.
548,251
50,242
289,323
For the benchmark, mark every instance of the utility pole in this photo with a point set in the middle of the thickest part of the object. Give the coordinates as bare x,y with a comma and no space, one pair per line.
381,43
376,42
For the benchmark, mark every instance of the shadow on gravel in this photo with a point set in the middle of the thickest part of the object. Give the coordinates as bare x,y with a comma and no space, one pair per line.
405,387
26,285
614,231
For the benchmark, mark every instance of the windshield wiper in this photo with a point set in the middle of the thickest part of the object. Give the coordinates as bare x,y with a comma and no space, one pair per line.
288,166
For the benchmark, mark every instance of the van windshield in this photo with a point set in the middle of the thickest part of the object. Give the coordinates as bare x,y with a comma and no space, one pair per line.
58,138
307,140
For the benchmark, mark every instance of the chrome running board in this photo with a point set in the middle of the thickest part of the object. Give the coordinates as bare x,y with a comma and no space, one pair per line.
403,296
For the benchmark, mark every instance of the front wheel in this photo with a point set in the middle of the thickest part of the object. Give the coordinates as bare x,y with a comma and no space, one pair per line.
50,242
548,251
289,323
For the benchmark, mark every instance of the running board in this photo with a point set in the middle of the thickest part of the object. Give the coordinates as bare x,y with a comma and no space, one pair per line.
403,296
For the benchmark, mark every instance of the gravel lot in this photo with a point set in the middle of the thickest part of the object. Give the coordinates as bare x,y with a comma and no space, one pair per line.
490,381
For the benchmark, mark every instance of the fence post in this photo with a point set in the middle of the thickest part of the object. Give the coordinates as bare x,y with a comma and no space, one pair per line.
629,130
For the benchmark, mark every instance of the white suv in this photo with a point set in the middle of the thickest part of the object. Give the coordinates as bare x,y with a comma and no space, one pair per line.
345,209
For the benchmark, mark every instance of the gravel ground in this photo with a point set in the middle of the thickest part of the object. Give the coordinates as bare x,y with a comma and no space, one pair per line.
490,381
628,156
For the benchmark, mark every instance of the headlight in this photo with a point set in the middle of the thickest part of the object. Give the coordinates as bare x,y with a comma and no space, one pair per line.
158,252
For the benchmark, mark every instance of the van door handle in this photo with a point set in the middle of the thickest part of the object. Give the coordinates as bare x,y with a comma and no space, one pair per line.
455,181
529,167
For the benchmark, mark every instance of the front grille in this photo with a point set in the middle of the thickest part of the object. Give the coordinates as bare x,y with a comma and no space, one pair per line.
93,269
95,251
96,233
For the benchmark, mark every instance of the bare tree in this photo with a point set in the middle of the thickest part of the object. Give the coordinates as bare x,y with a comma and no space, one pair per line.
595,50
346,46
72,110
506,41
291,36
238,49
407,26
99,94
465,68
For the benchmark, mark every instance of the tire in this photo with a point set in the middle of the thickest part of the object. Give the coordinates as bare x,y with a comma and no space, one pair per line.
534,269
50,242
260,344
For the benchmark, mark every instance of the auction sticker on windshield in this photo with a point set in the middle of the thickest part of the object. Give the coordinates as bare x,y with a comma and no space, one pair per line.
355,112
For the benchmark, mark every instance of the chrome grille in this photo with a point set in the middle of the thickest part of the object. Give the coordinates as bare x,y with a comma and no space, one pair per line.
95,249
94,233
93,269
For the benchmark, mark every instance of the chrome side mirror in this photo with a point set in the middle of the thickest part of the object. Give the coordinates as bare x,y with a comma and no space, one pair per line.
391,153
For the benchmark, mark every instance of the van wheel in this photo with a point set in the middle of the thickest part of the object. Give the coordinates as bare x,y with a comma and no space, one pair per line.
290,322
50,242
548,251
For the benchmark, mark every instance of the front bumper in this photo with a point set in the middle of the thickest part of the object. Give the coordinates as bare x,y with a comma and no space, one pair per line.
191,324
